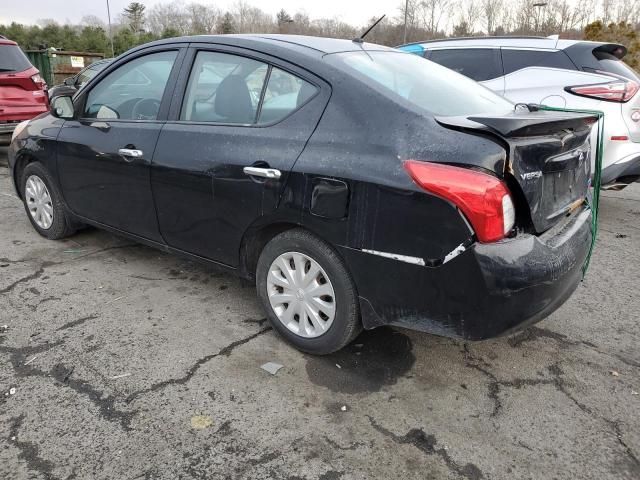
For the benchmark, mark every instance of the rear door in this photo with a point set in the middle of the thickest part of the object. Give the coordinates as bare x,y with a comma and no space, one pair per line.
482,64
104,155
237,127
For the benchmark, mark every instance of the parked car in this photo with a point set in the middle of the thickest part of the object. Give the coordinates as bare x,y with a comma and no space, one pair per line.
22,90
559,73
391,191
74,83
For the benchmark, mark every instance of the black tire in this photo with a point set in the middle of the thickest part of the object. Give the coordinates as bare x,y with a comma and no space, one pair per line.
346,324
62,225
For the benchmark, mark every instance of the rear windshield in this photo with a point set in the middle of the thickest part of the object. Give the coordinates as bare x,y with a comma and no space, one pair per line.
610,63
12,59
421,83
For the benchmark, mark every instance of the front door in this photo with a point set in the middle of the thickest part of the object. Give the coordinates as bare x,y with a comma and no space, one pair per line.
225,154
104,156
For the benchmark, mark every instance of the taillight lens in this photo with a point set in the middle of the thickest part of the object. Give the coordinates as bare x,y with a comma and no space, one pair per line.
38,80
485,200
618,91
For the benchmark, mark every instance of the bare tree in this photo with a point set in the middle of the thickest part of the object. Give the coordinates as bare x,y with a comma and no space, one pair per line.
470,12
627,11
492,11
571,15
91,21
250,19
412,15
168,17
202,18
432,14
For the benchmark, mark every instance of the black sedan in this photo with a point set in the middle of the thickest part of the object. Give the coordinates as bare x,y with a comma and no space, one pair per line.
357,185
74,83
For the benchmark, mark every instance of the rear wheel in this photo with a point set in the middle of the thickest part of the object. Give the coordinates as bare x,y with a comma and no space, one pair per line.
43,203
307,292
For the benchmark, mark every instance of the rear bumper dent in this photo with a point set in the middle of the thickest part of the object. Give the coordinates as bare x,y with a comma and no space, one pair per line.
487,291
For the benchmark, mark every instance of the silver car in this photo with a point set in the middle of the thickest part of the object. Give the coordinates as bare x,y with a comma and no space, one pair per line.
557,73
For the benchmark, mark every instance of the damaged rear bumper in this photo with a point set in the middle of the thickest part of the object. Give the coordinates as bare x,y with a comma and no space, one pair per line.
486,291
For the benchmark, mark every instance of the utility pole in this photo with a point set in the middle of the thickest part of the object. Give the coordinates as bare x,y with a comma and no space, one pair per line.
110,34
406,8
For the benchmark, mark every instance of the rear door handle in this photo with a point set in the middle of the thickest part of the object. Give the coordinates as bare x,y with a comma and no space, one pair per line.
262,172
129,152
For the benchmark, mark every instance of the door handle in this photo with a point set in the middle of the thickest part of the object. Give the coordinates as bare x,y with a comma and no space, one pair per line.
262,172
129,152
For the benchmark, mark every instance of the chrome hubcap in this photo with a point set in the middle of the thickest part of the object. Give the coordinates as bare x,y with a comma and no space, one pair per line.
301,294
39,202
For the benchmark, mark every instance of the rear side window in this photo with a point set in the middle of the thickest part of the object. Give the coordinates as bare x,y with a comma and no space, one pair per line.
12,59
515,60
232,89
610,63
284,94
479,64
419,83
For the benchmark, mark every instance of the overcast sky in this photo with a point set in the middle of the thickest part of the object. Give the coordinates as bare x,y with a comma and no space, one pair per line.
356,12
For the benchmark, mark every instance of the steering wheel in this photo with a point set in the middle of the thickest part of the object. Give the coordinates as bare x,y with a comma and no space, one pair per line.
145,109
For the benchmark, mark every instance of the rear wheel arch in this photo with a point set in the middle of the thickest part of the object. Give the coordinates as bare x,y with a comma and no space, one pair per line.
254,240
257,236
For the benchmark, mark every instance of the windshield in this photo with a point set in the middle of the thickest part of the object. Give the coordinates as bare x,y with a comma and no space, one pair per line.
12,59
422,83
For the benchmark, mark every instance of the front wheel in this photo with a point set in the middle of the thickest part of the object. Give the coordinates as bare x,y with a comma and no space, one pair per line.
43,203
307,292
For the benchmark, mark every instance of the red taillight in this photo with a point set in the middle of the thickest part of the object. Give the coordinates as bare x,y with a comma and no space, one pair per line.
38,80
618,91
484,199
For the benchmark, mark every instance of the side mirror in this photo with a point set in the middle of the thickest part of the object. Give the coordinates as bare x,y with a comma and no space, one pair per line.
70,81
62,107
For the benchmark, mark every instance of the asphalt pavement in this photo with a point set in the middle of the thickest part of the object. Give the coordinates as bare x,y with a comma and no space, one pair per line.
118,361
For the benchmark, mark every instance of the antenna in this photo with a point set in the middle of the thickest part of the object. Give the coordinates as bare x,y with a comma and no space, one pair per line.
360,39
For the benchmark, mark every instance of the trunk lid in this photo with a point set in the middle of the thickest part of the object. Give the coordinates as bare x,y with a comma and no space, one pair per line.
20,97
548,156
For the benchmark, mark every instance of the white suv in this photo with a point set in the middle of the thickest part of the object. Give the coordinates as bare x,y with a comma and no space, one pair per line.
558,73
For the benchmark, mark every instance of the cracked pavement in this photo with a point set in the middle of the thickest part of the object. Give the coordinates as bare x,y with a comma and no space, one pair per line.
117,352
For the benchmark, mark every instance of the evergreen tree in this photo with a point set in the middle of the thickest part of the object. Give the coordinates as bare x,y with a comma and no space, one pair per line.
134,14
227,24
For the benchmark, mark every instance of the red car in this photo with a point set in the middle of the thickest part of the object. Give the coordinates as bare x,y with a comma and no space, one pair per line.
23,92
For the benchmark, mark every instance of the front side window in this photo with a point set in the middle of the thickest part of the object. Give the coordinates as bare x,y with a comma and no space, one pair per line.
229,89
518,59
133,91
481,64
420,83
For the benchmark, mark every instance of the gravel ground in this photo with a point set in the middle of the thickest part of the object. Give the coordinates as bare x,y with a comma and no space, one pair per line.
128,363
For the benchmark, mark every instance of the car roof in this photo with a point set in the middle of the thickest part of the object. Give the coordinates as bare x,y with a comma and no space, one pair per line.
508,41
301,43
